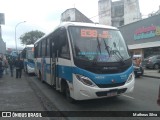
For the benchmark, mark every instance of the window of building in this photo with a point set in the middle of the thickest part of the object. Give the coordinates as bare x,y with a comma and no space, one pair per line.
118,11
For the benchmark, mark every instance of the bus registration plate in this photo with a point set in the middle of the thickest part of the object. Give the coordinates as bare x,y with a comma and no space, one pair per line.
113,93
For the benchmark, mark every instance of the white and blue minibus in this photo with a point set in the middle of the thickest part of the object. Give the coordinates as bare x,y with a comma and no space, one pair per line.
27,55
85,61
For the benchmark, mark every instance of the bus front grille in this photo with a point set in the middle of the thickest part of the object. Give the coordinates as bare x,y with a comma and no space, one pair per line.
110,85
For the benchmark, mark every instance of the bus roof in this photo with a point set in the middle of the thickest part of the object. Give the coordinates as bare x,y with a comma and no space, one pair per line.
66,24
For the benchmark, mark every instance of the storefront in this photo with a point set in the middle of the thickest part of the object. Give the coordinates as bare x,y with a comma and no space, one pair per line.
143,37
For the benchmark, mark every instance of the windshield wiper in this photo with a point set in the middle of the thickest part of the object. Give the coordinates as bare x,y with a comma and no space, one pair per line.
99,49
121,59
107,47
99,45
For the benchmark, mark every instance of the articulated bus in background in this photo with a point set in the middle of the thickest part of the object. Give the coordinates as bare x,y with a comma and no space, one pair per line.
85,61
28,57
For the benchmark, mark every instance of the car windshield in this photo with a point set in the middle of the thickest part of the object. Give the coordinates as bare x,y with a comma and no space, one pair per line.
97,44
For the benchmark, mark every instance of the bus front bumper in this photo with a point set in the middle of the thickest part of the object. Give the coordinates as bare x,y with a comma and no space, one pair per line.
84,92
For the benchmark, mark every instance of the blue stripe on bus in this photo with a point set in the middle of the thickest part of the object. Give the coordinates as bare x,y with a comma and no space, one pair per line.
48,68
105,78
66,73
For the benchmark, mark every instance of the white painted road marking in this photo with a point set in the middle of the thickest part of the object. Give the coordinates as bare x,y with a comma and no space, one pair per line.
128,96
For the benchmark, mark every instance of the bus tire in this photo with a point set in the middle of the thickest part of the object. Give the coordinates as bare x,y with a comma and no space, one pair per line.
67,93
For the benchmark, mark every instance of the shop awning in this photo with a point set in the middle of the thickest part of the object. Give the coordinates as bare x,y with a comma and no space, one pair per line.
144,45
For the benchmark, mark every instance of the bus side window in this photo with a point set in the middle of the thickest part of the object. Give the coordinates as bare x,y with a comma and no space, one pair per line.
39,49
48,47
64,46
36,51
54,45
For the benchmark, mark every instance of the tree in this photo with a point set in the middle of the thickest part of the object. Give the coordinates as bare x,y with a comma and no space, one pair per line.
31,37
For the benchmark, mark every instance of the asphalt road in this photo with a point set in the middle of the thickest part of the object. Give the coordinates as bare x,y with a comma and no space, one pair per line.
142,99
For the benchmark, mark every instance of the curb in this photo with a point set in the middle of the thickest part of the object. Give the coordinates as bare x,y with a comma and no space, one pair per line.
151,76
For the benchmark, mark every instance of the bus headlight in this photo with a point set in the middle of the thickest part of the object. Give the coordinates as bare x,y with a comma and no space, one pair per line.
130,78
85,80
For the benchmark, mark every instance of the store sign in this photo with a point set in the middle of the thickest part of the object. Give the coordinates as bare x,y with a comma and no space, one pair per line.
147,32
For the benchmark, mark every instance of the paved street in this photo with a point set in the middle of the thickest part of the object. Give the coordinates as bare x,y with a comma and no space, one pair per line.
29,94
142,99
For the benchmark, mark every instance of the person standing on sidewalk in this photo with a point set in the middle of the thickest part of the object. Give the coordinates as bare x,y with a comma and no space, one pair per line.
11,64
6,65
19,67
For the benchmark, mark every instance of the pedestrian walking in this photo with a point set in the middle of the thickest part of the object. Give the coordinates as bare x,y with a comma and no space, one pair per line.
11,63
19,67
6,65
138,61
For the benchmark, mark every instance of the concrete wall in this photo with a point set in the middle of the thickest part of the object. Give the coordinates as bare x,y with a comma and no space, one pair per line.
74,15
2,47
81,17
131,11
2,44
68,15
119,12
104,11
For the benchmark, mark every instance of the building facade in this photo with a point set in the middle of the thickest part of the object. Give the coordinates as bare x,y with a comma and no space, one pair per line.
74,15
143,37
2,44
118,13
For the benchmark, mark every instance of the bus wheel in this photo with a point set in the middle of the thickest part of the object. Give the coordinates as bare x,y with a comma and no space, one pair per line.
67,93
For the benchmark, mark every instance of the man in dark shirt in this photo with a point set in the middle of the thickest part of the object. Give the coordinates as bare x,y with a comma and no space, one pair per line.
11,62
19,67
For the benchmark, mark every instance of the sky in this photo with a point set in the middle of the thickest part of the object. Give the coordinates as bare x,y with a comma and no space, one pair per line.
44,15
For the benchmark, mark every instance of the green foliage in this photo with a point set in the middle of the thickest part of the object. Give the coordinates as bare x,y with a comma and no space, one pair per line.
31,37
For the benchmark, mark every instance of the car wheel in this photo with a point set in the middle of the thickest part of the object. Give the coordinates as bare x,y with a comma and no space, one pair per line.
156,66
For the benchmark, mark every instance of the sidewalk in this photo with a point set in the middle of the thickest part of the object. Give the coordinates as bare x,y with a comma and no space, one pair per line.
151,73
17,95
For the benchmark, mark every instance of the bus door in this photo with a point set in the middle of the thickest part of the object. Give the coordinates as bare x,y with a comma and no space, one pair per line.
53,63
